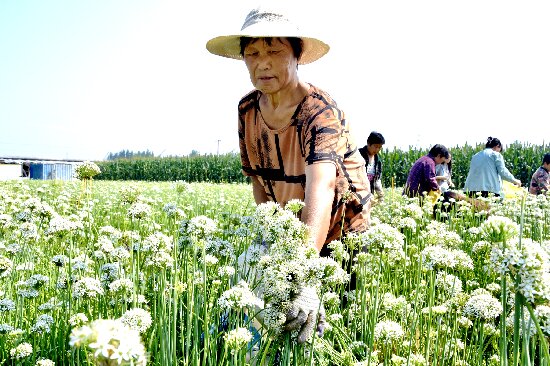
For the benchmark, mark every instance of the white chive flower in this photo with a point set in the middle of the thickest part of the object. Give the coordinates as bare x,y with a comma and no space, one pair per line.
438,233
529,264
448,283
43,324
110,341
542,313
21,351
87,287
483,306
238,297
61,226
201,227
383,238
86,170
7,305
388,331
6,264
434,257
137,319
78,319
44,362
237,338
499,228
60,260
139,210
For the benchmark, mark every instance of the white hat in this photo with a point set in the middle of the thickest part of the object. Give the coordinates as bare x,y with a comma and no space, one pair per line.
267,23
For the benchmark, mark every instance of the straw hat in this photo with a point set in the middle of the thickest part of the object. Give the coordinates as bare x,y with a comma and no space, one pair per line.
263,22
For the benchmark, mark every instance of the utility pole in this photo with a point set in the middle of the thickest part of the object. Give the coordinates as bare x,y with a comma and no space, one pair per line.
218,153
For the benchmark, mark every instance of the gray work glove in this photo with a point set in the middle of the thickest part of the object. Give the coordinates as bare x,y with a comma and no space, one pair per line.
247,262
306,314
248,271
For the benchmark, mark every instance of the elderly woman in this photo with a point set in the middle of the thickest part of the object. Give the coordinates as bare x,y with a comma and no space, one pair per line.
295,142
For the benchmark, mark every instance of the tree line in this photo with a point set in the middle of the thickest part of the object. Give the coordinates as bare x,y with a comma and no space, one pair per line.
127,154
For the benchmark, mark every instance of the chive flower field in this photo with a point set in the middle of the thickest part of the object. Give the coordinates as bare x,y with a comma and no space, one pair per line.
176,273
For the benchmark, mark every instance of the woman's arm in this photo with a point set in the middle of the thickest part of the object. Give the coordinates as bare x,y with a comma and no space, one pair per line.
503,171
429,175
379,190
258,191
319,195
440,173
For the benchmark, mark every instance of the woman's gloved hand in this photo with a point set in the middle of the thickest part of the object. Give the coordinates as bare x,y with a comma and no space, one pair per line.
306,314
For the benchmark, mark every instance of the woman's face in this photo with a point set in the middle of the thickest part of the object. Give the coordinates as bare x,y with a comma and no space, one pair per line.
374,149
271,67
440,159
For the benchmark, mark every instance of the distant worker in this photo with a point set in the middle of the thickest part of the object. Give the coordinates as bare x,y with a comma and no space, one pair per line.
540,181
421,179
487,169
443,174
375,141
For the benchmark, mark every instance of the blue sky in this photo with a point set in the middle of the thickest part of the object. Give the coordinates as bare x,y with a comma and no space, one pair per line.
80,79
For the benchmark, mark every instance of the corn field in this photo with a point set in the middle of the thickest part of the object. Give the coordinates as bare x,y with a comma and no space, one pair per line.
521,159
205,168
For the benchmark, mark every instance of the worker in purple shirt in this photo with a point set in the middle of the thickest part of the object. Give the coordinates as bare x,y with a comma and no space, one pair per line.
540,181
422,174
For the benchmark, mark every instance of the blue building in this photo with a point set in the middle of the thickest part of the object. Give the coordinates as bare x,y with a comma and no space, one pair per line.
51,171
44,169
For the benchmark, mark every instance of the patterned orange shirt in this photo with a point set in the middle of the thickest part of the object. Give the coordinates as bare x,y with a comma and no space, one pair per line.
317,132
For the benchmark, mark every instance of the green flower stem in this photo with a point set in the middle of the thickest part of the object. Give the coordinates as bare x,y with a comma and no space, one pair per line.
431,298
504,301
542,338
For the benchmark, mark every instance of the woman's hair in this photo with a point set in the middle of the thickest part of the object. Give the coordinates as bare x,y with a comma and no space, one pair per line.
375,138
546,158
439,150
296,43
493,142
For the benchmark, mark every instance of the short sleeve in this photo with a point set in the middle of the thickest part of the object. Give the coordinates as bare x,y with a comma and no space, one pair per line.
246,107
325,135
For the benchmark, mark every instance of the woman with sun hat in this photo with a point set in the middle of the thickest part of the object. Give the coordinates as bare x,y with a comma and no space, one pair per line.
294,141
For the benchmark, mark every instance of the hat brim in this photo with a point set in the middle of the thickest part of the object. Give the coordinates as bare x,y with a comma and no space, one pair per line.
230,46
